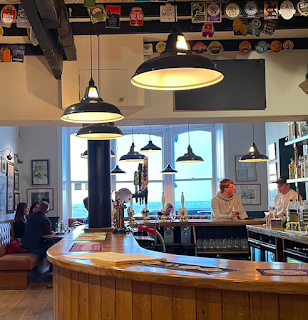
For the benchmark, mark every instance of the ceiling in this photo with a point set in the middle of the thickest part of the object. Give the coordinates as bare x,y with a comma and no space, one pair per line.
55,22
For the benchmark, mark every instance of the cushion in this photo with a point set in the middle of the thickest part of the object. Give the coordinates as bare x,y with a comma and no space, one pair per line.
18,261
5,236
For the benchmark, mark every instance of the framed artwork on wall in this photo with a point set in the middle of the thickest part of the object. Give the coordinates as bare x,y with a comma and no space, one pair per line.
16,181
16,161
245,171
271,148
16,199
249,193
272,172
39,195
3,199
3,165
10,187
40,172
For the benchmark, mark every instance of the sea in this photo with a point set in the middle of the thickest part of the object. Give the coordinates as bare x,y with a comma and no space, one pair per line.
78,210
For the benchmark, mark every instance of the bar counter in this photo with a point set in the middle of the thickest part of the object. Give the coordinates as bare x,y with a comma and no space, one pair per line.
87,290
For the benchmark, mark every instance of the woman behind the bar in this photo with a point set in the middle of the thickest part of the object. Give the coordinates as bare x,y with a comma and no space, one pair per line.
226,204
20,220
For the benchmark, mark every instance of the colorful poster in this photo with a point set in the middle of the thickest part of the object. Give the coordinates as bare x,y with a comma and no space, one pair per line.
213,12
167,13
18,53
269,27
92,236
198,12
92,246
136,17
113,17
271,9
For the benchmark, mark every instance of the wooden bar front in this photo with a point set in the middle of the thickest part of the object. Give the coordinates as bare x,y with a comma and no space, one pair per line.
87,290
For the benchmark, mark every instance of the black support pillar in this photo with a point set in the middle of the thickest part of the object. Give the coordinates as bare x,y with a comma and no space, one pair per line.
99,184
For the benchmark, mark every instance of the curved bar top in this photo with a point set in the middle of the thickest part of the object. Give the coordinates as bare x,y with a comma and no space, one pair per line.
246,277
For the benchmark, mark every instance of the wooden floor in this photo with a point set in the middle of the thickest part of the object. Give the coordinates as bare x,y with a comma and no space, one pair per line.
35,303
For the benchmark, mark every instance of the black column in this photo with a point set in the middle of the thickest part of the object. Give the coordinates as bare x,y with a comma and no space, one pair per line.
99,184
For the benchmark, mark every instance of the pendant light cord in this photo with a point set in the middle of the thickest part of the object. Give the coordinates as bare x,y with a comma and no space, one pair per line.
150,132
188,136
98,63
132,134
91,43
253,132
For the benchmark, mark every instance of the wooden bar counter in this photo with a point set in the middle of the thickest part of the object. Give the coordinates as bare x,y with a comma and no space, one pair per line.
87,290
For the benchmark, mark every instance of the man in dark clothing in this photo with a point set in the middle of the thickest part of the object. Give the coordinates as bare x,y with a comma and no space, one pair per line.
37,226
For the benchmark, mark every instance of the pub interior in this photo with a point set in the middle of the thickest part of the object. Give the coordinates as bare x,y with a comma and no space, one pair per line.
129,259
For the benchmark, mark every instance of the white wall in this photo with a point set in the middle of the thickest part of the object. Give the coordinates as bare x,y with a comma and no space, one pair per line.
42,143
237,141
9,139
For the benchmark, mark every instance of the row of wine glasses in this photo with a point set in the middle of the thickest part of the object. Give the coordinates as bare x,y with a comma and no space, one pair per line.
222,244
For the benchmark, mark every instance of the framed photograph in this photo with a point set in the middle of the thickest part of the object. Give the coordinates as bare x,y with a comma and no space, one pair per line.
3,198
10,187
272,192
272,151
16,200
3,165
41,195
40,172
272,172
16,181
249,193
245,171
16,163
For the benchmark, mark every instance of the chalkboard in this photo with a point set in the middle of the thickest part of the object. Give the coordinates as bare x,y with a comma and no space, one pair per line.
243,88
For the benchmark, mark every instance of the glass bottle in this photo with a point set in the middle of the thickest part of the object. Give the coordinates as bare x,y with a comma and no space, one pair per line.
303,167
305,130
291,128
299,168
299,127
292,169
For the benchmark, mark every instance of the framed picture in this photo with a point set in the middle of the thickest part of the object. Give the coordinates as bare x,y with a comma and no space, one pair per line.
16,181
249,193
3,198
245,171
40,172
16,200
10,187
272,151
272,172
272,192
41,195
16,163
3,165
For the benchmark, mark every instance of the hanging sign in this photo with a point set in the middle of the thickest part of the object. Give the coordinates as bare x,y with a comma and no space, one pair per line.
215,47
167,13
245,47
18,53
160,46
251,10
261,46
302,8
199,47
269,27
288,45
8,14
198,12
287,10
213,12
136,17
98,13
232,11
208,30
276,46
271,9
147,48
113,17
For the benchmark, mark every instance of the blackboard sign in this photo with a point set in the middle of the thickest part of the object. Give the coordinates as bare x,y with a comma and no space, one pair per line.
243,88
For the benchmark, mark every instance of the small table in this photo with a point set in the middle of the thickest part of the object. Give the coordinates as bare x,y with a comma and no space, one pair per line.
55,236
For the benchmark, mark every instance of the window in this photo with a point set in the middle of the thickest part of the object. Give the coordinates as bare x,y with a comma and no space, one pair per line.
196,180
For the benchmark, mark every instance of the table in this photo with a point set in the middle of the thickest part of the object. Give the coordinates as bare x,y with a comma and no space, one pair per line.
55,236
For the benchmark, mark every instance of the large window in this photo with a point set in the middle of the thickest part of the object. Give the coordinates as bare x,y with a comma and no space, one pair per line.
197,181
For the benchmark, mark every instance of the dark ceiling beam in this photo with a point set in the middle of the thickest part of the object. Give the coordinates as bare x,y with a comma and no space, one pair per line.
48,39
49,13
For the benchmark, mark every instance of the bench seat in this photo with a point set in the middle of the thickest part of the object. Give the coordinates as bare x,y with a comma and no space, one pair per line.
18,261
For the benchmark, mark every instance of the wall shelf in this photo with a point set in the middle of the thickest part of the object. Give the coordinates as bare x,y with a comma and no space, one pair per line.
297,180
299,141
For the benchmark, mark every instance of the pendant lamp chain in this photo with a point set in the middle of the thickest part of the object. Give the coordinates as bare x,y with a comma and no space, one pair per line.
132,134
253,132
98,64
150,132
91,47
188,136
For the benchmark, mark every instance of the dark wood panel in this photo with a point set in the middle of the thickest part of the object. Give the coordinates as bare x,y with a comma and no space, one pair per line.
263,306
184,303
235,305
61,294
66,283
55,292
142,309
95,310
108,298
83,296
208,304
161,301
74,296
124,300
293,307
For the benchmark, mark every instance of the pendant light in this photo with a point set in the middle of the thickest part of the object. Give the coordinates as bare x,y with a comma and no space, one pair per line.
151,147
112,154
84,155
168,169
100,131
253,154
117,169
189,156
92,108
132,155
176,68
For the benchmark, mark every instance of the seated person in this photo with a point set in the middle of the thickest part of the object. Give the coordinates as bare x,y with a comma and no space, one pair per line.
37,226
34,207
282,199
169,210
226,201
20,220
86,205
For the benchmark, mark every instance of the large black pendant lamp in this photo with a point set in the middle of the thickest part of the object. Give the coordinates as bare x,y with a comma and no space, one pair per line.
189,156
253,154
132,155
168,169
100,131
117,170
150,147
91,108
176,68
